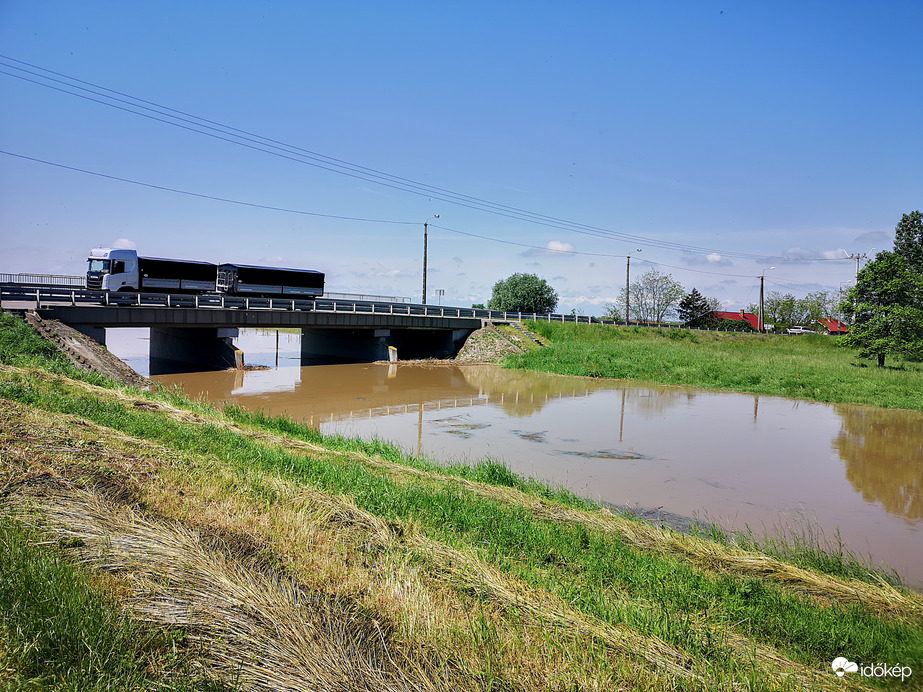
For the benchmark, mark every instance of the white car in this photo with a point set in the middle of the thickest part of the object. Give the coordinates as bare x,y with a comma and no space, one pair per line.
799,330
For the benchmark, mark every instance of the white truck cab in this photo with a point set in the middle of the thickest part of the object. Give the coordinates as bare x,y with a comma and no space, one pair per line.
112,269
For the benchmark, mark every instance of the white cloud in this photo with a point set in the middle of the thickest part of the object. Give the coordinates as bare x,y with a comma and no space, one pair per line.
558,246
553,247
799,253
124,244
713,259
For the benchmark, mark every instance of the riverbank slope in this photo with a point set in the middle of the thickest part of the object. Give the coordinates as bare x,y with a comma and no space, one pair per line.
272,557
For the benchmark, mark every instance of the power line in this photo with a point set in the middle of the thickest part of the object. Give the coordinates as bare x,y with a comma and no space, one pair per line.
200,195
148,109
286,210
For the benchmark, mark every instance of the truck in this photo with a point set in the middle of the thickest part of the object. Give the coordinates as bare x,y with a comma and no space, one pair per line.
247,280
118,269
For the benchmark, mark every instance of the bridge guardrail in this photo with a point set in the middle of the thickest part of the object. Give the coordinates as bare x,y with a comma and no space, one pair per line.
44,279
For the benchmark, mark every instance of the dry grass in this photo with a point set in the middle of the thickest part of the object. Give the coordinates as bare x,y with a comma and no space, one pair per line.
258,627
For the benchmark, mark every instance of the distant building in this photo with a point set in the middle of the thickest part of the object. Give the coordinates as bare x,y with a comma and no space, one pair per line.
742,316
833,326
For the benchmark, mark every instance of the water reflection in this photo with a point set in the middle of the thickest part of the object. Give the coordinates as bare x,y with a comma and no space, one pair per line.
884,457
741,460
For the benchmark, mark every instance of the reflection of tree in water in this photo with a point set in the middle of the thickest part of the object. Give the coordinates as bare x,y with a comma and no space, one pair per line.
650,400
883,451
522,393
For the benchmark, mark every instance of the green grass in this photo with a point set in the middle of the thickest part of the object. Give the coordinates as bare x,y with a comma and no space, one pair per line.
591,571
802,367
61,631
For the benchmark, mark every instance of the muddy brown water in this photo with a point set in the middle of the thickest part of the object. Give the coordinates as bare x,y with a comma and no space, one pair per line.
852,473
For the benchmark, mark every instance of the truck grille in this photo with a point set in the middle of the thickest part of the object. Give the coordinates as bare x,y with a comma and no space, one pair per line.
94,283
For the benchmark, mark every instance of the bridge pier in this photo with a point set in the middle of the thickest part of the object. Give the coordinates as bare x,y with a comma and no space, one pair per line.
181,349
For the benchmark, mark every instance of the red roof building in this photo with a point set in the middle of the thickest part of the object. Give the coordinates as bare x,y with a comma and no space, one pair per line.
833,326
743,316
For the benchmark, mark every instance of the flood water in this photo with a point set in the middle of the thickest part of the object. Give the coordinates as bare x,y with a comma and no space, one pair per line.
734,459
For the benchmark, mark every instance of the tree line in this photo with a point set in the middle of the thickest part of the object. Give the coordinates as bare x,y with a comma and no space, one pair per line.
884,308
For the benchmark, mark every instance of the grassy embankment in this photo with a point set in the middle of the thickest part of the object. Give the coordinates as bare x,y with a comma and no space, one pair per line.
257,552
801,367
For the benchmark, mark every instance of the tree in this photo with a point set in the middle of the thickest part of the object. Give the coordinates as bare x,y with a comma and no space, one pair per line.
886,309
781,310
908,240
523,293
654,296
734,326
816,305
612,313
695,310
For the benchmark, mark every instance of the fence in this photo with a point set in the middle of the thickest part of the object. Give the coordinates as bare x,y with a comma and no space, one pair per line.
44,279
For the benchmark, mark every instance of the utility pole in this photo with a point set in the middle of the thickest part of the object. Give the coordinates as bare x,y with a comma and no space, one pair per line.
425,228
628,284
759,320
858,256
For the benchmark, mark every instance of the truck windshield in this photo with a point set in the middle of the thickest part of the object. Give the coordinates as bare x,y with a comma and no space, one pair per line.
99,265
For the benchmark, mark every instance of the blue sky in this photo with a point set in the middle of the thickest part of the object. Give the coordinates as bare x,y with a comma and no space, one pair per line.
722,138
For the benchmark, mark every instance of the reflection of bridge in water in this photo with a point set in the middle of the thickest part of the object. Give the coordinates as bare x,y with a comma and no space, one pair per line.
321,394
397,409
502,399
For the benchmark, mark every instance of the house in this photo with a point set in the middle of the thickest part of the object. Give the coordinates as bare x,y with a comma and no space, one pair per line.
742,315
833,326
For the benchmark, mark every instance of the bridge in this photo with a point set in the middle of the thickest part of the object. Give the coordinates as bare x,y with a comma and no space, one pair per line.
197,331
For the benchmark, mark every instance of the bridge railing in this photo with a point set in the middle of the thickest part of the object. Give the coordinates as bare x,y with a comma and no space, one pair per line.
44,279
366,297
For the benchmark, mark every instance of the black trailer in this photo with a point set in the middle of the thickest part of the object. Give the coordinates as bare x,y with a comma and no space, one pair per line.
190,276
267,282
